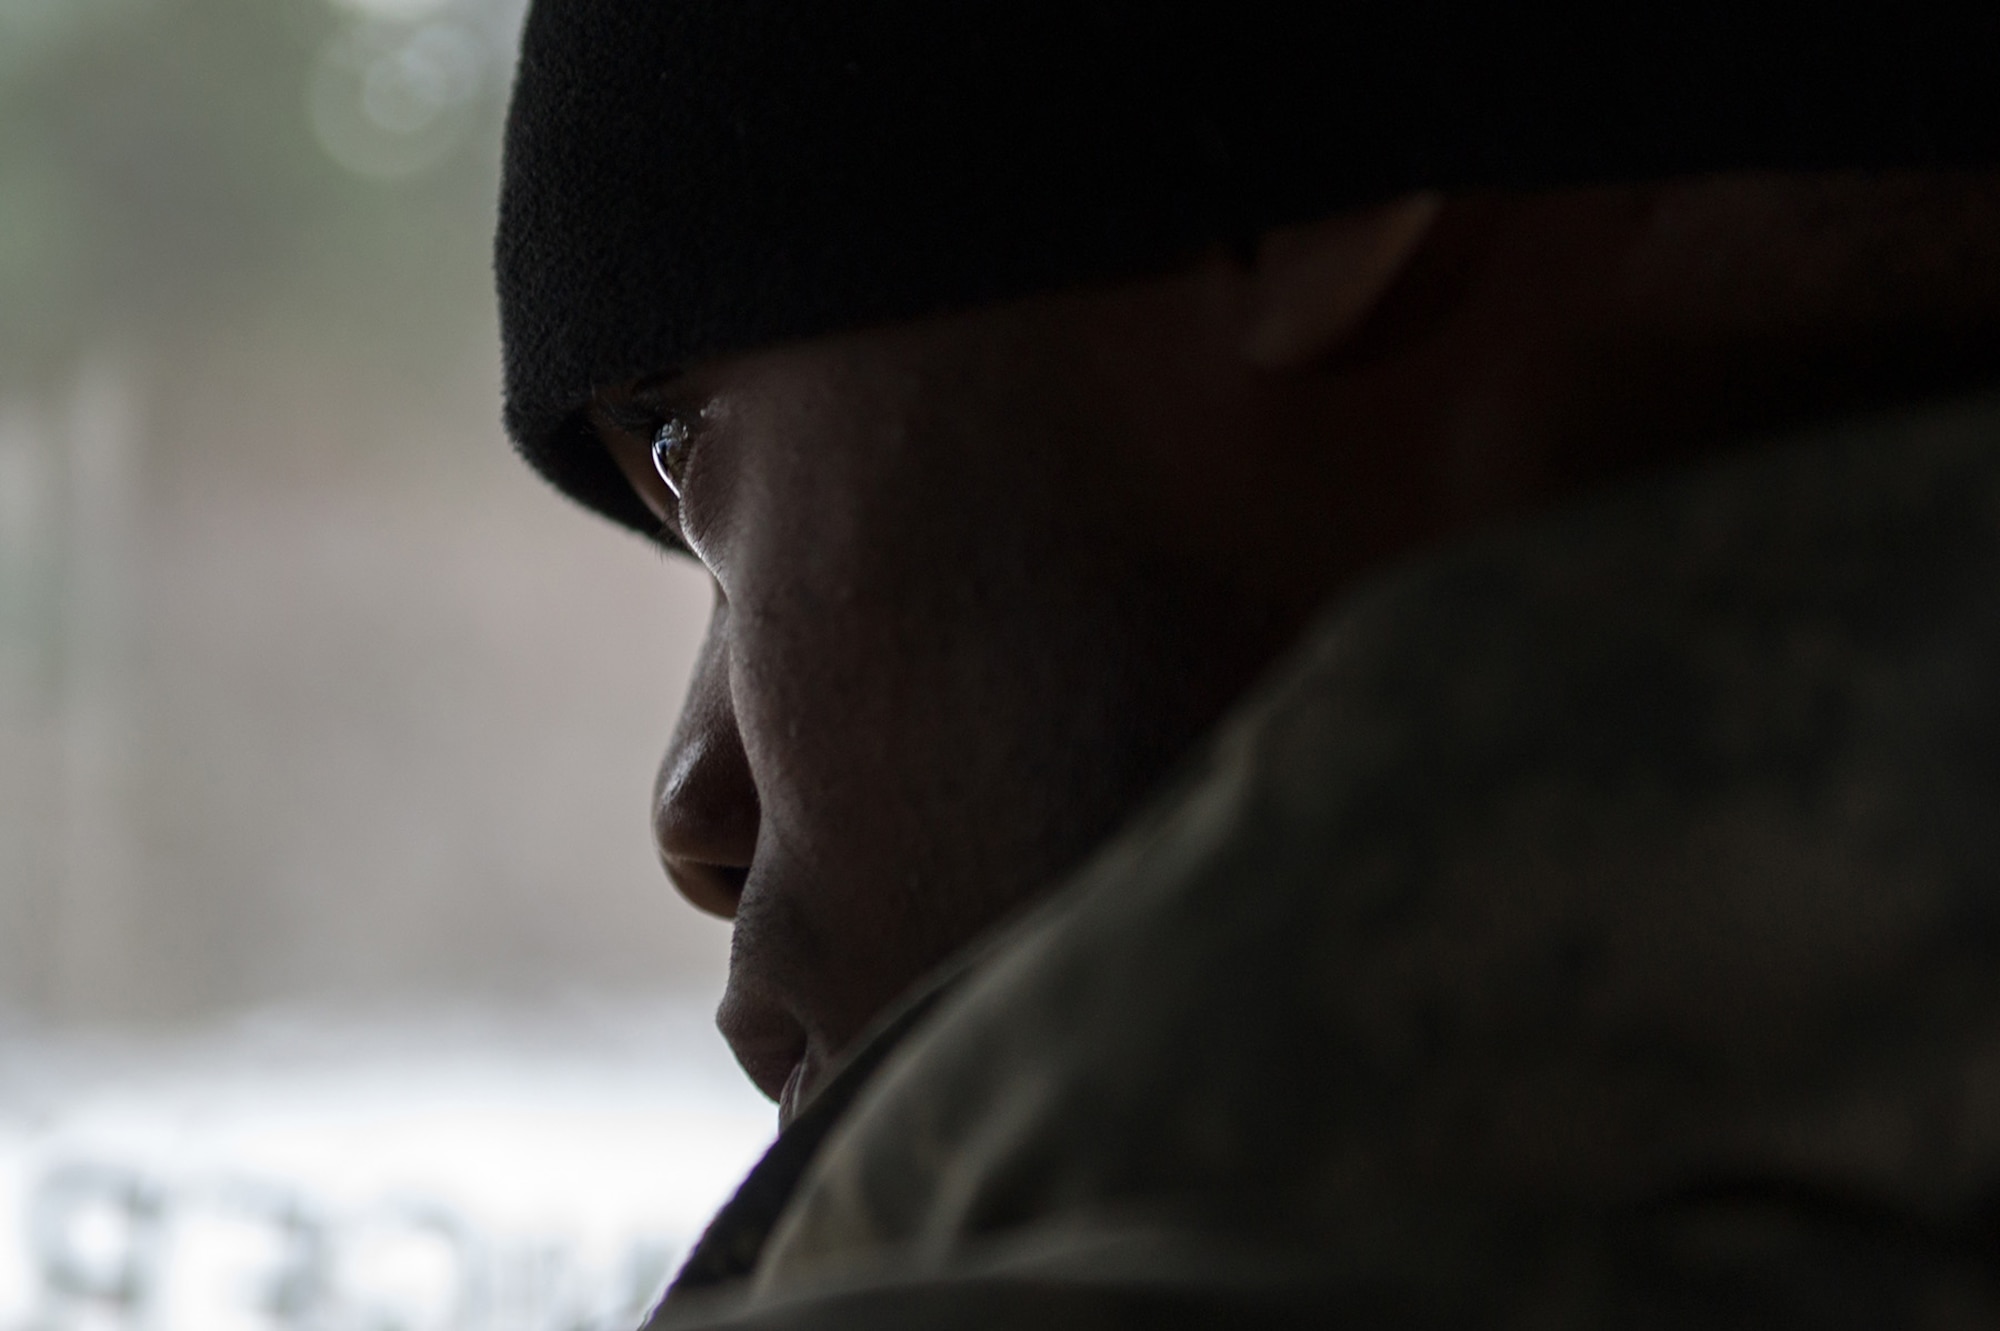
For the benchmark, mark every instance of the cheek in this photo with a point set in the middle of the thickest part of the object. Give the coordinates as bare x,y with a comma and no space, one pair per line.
908,658
859,532
834,695
868,708
816,621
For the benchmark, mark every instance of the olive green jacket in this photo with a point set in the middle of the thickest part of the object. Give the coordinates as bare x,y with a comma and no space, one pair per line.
1597,925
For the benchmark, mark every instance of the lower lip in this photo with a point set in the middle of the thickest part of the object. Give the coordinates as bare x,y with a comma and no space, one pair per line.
788,1101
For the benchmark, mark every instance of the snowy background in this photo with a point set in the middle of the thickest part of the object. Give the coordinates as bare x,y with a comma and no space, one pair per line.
290,1171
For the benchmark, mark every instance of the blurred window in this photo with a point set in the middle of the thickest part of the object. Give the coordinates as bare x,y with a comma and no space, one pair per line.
338,985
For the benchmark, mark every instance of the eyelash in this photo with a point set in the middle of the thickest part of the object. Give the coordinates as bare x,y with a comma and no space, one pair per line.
653,423
672,443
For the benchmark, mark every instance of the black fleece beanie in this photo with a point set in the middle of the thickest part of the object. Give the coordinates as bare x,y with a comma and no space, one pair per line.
690,177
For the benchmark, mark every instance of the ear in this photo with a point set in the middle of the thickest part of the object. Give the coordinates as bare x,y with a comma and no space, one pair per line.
1312,287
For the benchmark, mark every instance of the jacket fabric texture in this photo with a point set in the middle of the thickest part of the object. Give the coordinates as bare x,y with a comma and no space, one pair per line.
1594,925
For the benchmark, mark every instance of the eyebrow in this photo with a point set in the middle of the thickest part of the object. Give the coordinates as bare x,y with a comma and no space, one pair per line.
637,386
627,416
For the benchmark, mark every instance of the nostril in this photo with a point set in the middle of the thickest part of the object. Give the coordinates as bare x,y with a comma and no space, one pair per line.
714,888
732,879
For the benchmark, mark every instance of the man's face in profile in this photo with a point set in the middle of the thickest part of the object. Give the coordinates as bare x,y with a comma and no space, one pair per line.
960,626
981,578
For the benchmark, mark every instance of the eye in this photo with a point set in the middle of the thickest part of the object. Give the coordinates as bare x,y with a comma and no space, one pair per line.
671,447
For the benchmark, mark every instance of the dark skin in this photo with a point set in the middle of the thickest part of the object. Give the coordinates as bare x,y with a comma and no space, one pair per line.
982,578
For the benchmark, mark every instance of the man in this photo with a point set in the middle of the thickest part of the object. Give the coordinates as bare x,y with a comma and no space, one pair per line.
1352,669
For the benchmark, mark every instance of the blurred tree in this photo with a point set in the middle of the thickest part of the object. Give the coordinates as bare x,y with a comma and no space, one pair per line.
166,164
304,684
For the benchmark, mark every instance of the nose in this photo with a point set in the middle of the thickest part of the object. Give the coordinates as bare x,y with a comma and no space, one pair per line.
705,809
